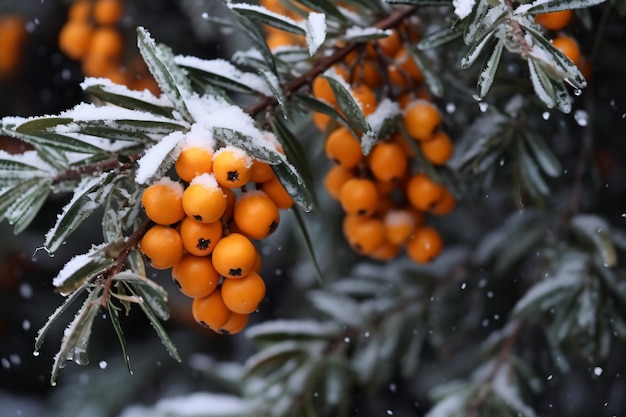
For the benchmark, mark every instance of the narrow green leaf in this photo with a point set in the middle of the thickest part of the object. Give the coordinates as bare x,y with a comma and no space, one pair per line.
530,175
542,153
322,107
24,209
421,2
488,73
115,321
294,184
293,329
541,84
42,124
348,105
56,141
476,50
541,6
154,297
293,149
595,230
341,308
160,331
43,331
220,81
326,7
432,80
265,16
308,243
439,38
273,83
129,100
252,31
248,144
280,351
171,78
81,269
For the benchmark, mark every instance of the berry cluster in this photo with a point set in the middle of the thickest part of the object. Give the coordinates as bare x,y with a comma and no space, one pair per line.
205,225
91,36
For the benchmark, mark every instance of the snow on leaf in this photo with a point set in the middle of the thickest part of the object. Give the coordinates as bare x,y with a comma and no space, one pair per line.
294,329
541,84
159,158
546,6
79,268
315,27
268,17
463,8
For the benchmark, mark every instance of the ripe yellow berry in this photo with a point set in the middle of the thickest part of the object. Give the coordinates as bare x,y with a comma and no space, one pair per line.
232,167
342,148
195,275
234,256
424,245
422,192
277,193
421,118
200,238
438,149
365,235
399,225
163,202
335,178
236,323
193,161
243,295
256,215
387,161
210,311
107,12
204,200
261,172
359,196
162,245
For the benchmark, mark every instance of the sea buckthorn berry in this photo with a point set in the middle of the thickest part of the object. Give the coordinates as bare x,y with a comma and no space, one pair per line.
162,245
163,201
385,252
243,295
193,161
234,256
107,12
445,205
335,178
368,73
421,118
569,47
405,66
195,275
236,323
399,225
231,199
364,235
438,149
79,10
204,200
422,192
399,139
342,148
256,215
75,38
387,161
231,167
321,87
321,121
366,98
424,245
261,172
276,40
12,36
106,42
277,193
210,311
95,65
391,44
257,263
359,196
200,238
554,20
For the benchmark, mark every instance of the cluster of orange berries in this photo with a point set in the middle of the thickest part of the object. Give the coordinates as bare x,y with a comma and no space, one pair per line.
557,21
384,201
205,225
91,35
12,37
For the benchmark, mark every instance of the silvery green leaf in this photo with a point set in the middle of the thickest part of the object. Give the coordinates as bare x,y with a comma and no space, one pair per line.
274,85
326,7
129,99
265,16
294,184
476,50
421,2
488,73
439,38
595,230
81,268
542,153
151,314
280,351
348,105
541,84
294,329
547,6
339,307
432,80
115,321
262,152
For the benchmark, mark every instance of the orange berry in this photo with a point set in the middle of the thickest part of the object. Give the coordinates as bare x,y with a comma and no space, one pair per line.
438,149
277,193
364,235
79,10
422,192
388,161
359,196
210,311
107,42
385,252
162,245
12,36
234,256
107,12
195,275
399,225
335,178
276,40
163,202
94,65
193,161
391,44
445,205
204,200
231,167
405,64
424,245
256,215
236,323
243,295
421,118
321,121
569,47
200,238
231,199
75,38
369,73
261,172
366,98
342,148
321,87
554,20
